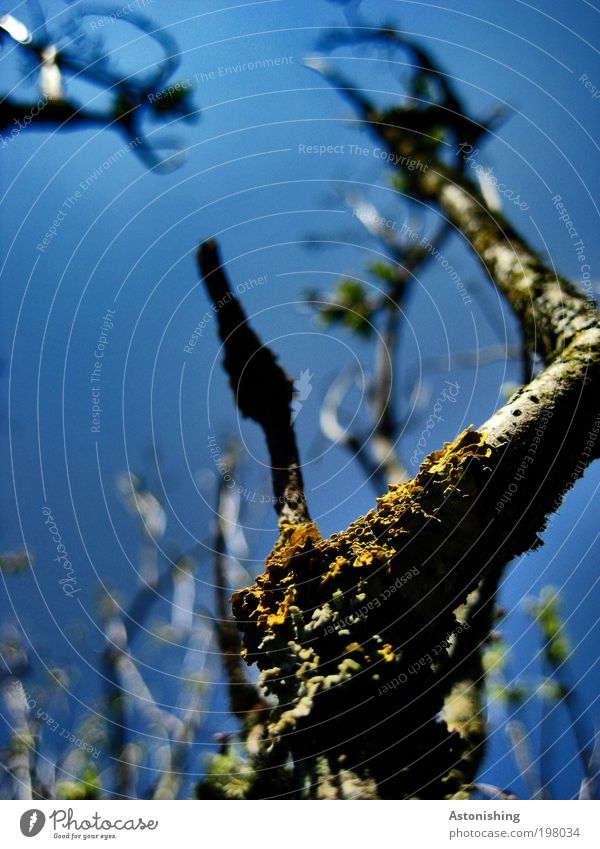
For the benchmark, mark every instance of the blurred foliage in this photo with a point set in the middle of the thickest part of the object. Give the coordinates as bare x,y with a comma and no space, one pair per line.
14,561
546,613
550,689
348,305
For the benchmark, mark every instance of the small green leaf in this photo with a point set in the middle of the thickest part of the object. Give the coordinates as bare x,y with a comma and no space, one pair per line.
384,271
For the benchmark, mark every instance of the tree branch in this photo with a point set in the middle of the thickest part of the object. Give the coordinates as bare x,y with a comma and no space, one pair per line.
358,668
262,390
245,700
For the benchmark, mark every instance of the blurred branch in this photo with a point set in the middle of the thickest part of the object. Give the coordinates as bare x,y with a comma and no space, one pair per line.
555,655
131,101
19,754
552,312
245,700
463,360
517,734
378,452
588,788
116,636
488,791
336,433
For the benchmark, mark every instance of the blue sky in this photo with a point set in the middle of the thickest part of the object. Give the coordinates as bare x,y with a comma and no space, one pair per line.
125,241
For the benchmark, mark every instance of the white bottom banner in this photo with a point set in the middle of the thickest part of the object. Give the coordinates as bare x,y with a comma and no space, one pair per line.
294,826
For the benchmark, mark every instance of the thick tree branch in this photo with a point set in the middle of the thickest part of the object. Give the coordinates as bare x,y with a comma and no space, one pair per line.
360,669
551,310
356,634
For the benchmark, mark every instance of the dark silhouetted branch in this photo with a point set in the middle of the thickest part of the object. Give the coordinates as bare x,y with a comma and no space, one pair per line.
262,390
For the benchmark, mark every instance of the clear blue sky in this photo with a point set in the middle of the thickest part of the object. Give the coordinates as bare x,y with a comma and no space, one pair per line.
126,240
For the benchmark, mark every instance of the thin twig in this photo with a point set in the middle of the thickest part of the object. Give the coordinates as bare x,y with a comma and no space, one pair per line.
336,433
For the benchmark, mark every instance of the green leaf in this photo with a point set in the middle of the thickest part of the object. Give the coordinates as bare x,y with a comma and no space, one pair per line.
384,271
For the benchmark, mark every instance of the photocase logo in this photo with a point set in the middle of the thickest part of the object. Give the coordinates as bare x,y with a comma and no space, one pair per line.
32,822
302,389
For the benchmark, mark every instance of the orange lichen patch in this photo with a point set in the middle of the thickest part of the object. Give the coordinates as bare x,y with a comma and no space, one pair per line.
386,652
334,569
354,647
279,617
293,542
372,555
275,591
